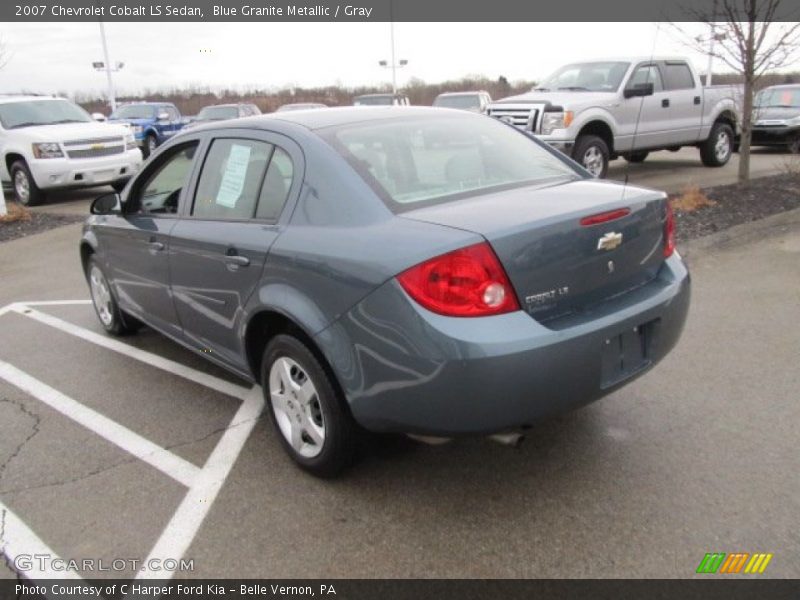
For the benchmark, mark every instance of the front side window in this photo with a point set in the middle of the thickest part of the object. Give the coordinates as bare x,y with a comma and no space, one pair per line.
437,159
231,179
647,74
30,113
160,191
678,77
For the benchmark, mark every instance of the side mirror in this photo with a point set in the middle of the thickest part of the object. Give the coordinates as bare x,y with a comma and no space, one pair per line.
638,90
163,116
99,117
107,204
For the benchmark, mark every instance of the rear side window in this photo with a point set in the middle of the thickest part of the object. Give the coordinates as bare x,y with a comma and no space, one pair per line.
231,179
678,76
276,186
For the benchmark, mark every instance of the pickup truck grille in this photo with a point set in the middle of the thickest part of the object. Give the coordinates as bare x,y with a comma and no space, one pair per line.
523,117
95,152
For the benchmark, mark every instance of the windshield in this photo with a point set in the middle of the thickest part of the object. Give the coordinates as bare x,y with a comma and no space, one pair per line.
308,106
373,101
437,159
586,77
135,111
216,113
465,101
30,113
777,97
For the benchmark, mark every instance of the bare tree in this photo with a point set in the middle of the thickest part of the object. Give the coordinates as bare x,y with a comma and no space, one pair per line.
749,40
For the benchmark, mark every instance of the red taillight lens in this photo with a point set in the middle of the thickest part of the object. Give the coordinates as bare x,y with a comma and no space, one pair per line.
469,282
669,232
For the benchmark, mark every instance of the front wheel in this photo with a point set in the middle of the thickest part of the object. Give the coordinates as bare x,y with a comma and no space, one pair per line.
308,412
26,192
112,318
150,145
592,153
717,149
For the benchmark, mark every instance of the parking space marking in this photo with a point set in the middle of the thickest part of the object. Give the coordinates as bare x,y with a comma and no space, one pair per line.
154,360
20,541
119,435
180,531
204,483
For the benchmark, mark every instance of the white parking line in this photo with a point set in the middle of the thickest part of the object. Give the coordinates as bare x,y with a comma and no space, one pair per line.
143,449
204,483
154,360
20,542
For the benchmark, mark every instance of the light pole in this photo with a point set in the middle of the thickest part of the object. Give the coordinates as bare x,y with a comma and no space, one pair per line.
394,65
106,66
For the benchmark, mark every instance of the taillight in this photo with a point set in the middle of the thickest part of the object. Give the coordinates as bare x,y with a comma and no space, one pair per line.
669,232
469,282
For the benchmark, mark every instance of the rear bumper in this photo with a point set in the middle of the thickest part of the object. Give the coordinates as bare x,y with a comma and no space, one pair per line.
405,369
85,172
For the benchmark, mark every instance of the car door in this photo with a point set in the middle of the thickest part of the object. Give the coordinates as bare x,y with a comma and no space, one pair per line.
685,102
219,246
136,244
646,118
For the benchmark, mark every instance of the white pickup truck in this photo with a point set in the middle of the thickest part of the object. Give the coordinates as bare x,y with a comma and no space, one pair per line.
597,111
48,143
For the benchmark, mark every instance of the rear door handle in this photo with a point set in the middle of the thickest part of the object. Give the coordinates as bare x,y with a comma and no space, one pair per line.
697,99
234,261
155,246
665,103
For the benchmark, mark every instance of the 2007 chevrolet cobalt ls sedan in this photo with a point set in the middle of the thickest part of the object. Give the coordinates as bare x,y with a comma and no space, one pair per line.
412,270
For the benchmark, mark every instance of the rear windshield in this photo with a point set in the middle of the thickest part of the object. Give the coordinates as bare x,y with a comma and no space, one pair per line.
218,112
30,113
373,101
427,160
135,111
464,102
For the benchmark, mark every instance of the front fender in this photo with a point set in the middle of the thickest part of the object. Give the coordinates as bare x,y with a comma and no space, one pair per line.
591,115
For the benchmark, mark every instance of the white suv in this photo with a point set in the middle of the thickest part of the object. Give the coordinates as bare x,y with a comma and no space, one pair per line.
48,143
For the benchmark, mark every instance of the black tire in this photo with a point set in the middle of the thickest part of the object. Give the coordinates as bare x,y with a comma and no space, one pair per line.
340,432
710,153
636,157
114,320
793,147
119,185
593,150
26,192
150,144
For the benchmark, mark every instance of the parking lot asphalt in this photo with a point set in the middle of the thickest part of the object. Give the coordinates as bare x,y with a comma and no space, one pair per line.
669,171
699,455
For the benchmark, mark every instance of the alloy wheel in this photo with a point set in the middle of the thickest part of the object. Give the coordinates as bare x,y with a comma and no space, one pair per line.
593,160
297,407
101,296
722,148
22,186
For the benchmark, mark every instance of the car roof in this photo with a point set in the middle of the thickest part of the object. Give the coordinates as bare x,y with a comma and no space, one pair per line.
336,116
474,93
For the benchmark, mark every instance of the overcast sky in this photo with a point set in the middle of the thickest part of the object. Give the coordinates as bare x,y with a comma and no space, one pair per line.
57,57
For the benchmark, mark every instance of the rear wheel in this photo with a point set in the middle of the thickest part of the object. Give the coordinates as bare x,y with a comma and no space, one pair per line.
592,153
636,157
26,192
306,408
794,145
112,318
717,149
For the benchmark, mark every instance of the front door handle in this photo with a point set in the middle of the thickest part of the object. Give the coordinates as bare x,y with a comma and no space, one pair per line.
665,103
234,261
697,99
155,246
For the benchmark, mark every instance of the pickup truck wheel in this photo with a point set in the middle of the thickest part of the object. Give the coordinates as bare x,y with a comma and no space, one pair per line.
112,318
26,192
592,153
717,149
636,157
150,145
306,409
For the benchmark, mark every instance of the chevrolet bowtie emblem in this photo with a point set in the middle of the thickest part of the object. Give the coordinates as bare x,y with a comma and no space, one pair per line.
609,241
